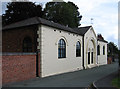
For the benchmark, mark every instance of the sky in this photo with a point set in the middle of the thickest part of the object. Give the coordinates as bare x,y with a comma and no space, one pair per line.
103,12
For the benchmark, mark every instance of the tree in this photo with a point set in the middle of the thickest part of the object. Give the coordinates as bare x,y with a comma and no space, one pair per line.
65,13
112,49
17,11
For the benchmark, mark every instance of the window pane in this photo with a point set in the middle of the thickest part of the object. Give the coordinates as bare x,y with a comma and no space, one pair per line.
78,49
98,50
58,52
88,57
27,44
91,57
103,50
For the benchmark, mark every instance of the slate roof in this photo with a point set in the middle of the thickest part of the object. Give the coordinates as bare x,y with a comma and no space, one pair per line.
27,22
38,20
82,30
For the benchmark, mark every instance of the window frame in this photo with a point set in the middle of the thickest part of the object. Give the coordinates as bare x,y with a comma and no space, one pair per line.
27,44
61,49
98,50
78,49
103,50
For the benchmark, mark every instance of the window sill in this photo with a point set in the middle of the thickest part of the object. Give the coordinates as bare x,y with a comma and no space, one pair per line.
61,57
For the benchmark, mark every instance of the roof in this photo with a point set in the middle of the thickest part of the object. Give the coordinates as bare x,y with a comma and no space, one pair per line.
102,40
38,20
27,22
82,30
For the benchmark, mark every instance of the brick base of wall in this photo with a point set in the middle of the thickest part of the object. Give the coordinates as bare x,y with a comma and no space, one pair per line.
17,68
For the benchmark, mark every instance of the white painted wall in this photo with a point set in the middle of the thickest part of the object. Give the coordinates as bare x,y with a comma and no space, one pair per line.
89,35
48,43
102,59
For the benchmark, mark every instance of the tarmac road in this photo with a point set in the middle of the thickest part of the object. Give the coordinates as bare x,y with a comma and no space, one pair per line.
82,78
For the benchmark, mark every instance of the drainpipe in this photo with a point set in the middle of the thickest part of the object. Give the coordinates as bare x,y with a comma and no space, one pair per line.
83,53
38,53
36,50
97,53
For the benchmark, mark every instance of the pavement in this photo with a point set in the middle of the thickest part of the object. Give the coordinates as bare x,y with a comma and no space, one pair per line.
106,82
82,78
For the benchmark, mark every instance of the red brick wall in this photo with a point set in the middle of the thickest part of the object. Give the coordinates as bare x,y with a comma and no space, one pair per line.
12,39
109,60
18,68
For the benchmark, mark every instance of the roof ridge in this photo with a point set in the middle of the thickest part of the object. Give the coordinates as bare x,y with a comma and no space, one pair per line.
55,23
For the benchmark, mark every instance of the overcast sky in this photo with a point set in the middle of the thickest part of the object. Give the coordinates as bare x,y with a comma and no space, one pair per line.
103,12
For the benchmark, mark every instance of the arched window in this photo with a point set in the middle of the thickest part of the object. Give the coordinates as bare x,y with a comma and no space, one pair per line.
98,49
78,49
27,44
103,50
61,49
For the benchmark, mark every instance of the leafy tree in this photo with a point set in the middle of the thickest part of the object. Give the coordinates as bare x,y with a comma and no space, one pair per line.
65,13
112,49
17,11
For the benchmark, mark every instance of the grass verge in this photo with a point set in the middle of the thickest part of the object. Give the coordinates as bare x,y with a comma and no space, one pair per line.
116,82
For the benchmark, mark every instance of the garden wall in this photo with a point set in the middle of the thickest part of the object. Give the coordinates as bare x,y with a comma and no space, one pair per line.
18,67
